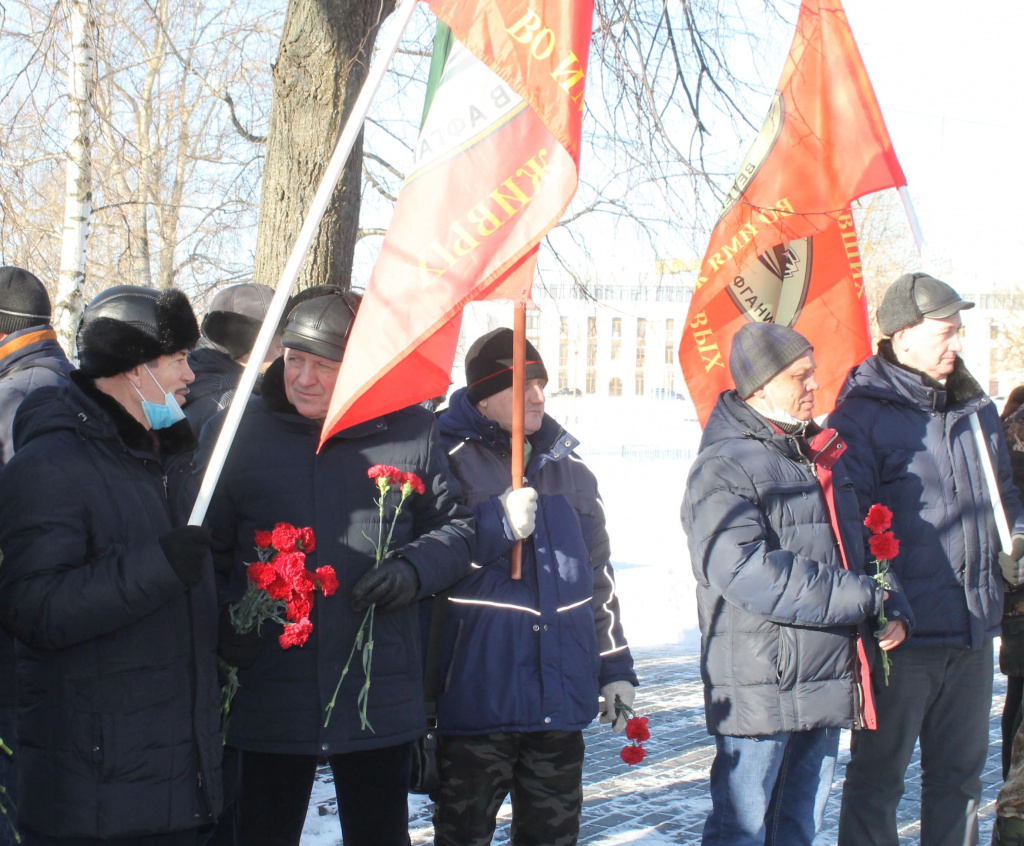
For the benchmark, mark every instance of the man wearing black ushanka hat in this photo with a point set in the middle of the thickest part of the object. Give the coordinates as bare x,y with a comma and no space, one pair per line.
776,546
525,660
110,595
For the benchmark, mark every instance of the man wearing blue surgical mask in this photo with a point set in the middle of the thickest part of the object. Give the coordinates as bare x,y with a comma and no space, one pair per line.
109,594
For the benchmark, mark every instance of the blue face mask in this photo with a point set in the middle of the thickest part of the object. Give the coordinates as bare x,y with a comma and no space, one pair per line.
161,416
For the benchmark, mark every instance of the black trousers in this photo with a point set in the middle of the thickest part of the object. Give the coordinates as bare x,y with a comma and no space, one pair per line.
372,789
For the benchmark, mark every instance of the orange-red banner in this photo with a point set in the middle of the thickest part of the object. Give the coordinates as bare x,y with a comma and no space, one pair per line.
785,247
494,168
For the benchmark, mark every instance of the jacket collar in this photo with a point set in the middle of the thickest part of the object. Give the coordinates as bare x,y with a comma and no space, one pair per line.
173,440
34,342
960,389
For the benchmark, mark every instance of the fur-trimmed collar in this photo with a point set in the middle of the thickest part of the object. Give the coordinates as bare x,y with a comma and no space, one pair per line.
173,440
960,385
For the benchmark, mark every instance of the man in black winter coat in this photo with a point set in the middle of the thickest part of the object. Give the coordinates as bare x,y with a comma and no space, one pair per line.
30,358
229,330
110,596
777,548
274,473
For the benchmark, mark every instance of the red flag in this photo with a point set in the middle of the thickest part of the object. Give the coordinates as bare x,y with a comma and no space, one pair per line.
785,247
495,166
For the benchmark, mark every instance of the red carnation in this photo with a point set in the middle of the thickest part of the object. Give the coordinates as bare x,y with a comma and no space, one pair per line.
328,579
414,482
632,754
879,519
279,589
884,547
285,535
290,563
261,575
296,634
636,729
302,582
307,540
300,607
380,472
264,540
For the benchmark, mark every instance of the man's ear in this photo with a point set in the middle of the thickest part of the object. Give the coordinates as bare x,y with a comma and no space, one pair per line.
134,375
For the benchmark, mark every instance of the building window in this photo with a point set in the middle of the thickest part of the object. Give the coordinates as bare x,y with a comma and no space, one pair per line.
592,345
591,381
641,342
564,328
615,387
563,380
670,341
533,328
639,383
563,352
616,350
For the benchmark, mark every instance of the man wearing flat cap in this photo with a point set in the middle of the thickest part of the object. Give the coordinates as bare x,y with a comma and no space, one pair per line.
229,330
525,661
905,413
273,474
776,546
110,595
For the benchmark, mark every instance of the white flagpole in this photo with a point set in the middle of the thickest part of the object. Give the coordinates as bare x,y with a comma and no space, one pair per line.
979,436
290,273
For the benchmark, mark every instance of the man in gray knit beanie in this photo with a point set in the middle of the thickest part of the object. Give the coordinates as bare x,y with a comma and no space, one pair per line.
782,604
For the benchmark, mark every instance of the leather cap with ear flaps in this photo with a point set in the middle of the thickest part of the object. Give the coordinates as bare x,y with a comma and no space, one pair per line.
129,325
321,325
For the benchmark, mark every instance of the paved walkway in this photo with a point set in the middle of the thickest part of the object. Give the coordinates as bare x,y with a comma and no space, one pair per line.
665,799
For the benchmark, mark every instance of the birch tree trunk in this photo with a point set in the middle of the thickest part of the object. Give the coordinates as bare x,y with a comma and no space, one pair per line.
78,190
321,65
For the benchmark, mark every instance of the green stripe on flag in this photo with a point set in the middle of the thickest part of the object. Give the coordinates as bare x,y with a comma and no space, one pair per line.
443,40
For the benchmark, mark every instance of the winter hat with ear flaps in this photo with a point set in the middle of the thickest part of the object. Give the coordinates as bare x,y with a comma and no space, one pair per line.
129,325
236,315
321,326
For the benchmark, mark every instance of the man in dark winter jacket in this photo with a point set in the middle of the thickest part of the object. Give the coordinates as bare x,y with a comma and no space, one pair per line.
30,358
905,413
110,596
777,547
524,660
279,718
229,331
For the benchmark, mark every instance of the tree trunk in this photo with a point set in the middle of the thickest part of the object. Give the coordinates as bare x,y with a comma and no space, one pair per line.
321,66
78,192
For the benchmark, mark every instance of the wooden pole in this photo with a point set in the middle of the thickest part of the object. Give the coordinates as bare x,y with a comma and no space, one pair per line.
518,416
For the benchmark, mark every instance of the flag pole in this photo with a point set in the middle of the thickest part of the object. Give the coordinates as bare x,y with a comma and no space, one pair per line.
981,444
275,311
518,416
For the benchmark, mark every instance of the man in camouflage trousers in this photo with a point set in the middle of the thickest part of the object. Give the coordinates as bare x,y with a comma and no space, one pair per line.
524,660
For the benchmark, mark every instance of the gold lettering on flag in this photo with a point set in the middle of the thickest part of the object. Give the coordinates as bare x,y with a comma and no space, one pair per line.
706,344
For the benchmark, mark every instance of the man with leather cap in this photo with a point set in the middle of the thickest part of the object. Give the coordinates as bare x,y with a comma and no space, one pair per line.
274,473
229,330
110,595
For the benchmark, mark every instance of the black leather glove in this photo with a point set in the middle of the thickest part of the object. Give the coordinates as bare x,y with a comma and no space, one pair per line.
393,585
239,650
186,549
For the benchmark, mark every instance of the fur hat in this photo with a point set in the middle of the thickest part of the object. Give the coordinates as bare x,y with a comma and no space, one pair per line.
760,352
489,365
128,325
321,325
235,317
23,301
913,297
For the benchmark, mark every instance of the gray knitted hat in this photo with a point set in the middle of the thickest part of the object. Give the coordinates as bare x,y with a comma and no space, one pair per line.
913,297
760,351
23,300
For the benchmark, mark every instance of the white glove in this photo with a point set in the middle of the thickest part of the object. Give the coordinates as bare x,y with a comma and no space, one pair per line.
626,693
1012,563
521,510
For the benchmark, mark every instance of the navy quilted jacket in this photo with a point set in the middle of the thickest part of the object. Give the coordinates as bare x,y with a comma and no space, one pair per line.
911,449
532,654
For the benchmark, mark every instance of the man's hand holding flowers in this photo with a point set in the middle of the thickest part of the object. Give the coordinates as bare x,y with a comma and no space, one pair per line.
625,693
391,586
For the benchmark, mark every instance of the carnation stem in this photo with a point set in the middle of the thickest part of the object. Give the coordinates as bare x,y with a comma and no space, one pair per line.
881,568
356,643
